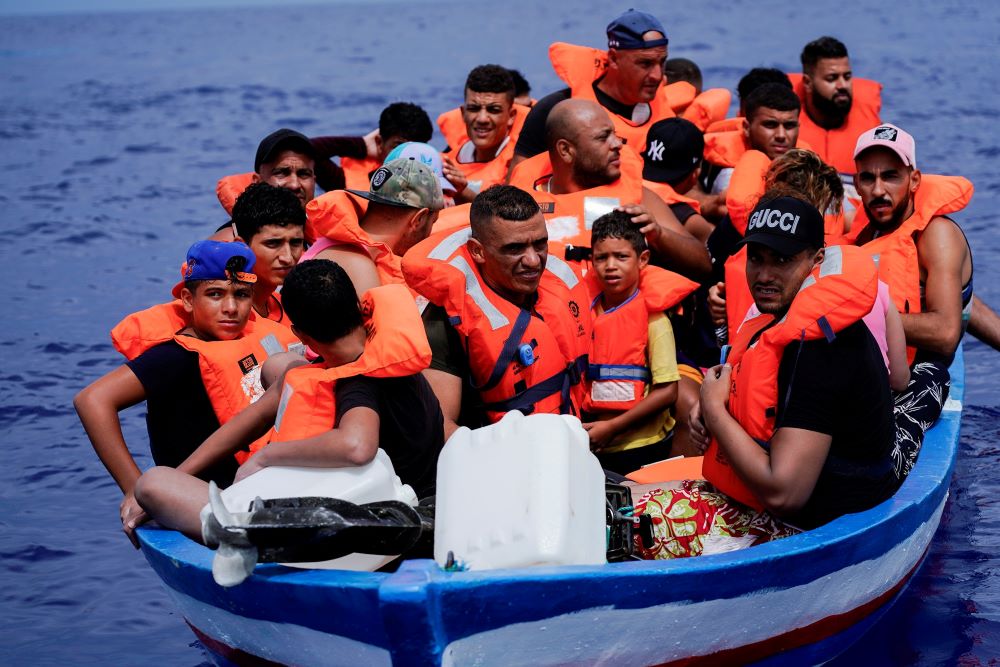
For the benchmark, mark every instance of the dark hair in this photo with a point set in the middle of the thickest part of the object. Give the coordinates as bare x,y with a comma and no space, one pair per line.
803,174
757,77
682,69
321,301
771,96
618,225
262,204
490,79
521,85
818,49
503,201
406,121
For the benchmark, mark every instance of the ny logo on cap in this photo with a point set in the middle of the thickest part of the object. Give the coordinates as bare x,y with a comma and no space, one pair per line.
655,151
885,133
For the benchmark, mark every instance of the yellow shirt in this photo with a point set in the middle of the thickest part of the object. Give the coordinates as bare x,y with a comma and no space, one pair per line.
661,356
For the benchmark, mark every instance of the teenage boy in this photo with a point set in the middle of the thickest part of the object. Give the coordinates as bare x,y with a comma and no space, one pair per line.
365,394
272,222
632,379
195,361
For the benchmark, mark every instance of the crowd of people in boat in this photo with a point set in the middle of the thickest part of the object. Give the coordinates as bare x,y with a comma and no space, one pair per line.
781,292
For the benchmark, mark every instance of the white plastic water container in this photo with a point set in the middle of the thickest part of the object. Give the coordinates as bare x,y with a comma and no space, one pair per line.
371,482
524,491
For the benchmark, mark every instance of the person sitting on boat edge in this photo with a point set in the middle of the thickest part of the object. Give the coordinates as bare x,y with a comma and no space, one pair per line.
367,231
632,375
507,321
285,159
195,361
271,221
366,392
780,454
926,261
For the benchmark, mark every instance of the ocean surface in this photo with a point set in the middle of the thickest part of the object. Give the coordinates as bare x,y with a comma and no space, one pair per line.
115,127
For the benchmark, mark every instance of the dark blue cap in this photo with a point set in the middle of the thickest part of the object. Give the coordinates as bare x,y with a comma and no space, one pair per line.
218,260
626,31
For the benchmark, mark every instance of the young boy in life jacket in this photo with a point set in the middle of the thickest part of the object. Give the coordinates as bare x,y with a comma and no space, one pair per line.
632,380
366,392
179,340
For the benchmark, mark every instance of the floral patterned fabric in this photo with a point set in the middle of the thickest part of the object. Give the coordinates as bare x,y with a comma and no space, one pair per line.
685,519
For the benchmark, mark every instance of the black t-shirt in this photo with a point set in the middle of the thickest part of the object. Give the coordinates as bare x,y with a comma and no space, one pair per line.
411,427
841,388
449,356
179,415
683,211
531,141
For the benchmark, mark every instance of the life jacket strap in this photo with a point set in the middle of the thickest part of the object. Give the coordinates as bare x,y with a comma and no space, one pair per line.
598,372
507,353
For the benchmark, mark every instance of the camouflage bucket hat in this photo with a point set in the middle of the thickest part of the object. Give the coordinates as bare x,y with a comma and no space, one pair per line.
404,182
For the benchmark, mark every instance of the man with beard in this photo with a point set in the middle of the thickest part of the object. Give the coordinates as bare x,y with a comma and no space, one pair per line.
836,107
926,261
587,173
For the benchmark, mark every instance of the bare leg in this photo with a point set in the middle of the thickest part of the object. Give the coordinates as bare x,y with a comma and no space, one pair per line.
173,499
688,392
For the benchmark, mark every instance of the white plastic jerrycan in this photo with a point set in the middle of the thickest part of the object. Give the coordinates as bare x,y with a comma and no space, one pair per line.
524,491
371,482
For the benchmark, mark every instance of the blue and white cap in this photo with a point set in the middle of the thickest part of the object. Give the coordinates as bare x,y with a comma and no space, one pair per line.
424,153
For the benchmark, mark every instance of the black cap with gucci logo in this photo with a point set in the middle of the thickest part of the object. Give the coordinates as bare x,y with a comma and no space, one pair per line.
786,225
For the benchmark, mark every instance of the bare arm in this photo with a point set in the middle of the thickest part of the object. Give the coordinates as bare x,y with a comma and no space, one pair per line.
784,480
246,426
357,263
354,442
984,323
448,389
98,405
942,251
659,398
699,227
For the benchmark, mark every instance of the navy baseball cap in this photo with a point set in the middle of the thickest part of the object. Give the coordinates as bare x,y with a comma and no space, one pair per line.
217,260
674,147
786,225
282,140
626,31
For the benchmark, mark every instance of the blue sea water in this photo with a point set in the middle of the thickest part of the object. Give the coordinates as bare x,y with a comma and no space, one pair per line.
115,127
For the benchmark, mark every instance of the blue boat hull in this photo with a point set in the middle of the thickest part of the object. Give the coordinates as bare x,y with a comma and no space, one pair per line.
800,600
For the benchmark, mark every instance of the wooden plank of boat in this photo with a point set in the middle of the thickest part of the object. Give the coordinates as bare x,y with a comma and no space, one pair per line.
794,601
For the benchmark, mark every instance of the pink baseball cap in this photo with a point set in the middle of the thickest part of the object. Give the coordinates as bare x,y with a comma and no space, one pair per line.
895,139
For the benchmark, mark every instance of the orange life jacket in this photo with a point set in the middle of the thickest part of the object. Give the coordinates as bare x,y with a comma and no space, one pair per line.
835,295
896,253
357,172
396,347
581,66
670,196
229,188
725,148
618,370
481,175
336,216
530,361
725,125
710,106
570,216
230,369
452,217
745,189
836,146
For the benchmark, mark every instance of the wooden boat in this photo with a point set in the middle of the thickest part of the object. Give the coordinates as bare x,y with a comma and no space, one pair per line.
800,600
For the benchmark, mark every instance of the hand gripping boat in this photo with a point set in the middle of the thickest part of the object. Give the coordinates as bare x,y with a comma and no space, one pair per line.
800,600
